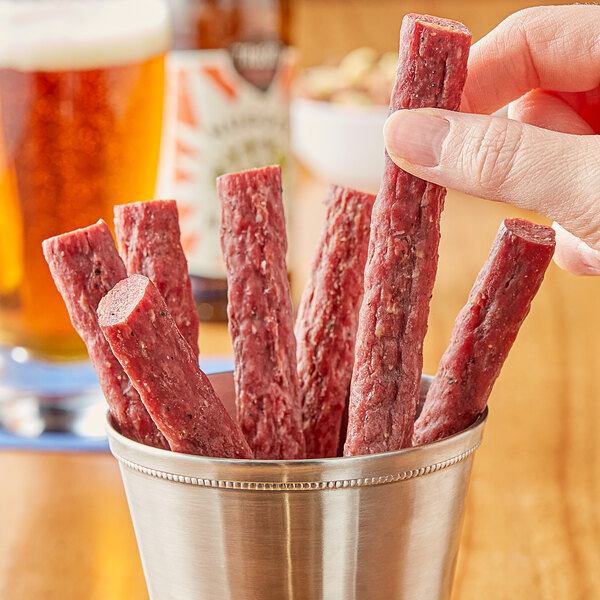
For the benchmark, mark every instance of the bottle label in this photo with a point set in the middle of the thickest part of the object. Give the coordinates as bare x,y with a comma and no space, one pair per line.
226,110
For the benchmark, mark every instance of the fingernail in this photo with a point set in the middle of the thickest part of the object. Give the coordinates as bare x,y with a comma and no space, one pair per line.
416,137
590,258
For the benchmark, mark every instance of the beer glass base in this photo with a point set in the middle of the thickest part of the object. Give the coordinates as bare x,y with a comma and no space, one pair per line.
39,397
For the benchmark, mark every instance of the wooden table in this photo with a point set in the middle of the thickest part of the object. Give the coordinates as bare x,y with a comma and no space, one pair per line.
532,526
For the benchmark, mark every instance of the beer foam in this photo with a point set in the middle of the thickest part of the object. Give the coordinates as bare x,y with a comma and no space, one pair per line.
58,35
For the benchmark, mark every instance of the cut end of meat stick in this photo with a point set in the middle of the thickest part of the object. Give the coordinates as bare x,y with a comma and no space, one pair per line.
485,329
144,337
432,63
268,175
85,265
532,233
121,301
149,240
437,22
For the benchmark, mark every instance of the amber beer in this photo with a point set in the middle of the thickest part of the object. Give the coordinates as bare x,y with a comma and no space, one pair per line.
81,95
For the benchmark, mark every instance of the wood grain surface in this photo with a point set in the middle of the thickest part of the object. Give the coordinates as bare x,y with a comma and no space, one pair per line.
532,524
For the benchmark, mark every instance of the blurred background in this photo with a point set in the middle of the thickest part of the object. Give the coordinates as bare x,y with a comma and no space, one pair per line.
322,30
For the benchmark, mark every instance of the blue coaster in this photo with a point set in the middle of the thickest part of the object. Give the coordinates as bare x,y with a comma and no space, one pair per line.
61,442
52,442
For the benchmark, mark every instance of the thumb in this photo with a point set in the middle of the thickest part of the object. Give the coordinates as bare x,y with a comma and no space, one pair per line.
573,255
554,174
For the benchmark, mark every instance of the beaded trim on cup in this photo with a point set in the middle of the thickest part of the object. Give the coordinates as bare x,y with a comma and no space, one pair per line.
274,486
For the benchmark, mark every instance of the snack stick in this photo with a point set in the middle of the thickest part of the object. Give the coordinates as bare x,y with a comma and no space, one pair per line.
485,329
85,265
403,251
149,241
328,318
254,244
164,369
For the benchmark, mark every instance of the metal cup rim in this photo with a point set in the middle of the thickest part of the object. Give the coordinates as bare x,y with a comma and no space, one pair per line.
293,462
377,468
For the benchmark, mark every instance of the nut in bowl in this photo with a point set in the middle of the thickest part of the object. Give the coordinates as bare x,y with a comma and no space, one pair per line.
337,105
324,138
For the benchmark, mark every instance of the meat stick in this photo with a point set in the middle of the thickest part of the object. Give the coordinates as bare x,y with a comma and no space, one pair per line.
485,329
164,369
148,237
254,245
403,251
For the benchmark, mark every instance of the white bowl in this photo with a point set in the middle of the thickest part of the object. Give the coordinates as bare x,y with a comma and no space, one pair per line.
340,143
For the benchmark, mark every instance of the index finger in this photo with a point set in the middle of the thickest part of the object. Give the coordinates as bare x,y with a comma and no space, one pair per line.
552,47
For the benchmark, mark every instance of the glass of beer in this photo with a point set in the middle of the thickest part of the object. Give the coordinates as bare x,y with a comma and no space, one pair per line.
81,101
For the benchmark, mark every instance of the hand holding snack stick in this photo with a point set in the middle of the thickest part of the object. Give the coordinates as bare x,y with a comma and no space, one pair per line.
546,158
164,369
148,237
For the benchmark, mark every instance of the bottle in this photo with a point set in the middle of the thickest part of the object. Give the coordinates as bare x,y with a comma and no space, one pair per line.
226,109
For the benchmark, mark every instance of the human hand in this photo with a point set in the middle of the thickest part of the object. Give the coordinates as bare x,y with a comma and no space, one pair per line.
545,158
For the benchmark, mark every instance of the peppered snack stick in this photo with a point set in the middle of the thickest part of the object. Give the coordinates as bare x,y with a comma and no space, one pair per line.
328,317
485,329
254,244
85,265
403,249
149,241
164,369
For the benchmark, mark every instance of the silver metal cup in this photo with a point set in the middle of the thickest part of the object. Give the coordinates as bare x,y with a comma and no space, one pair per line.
379,527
